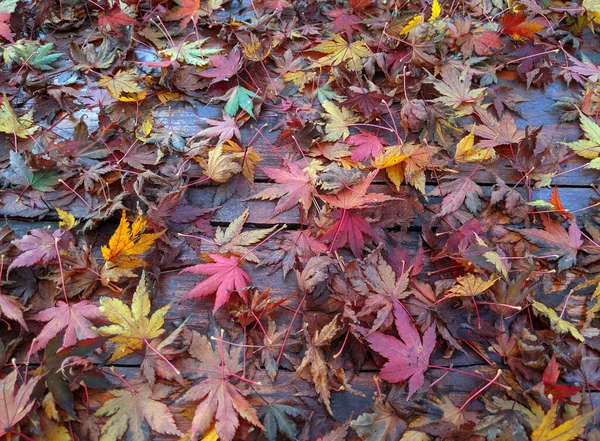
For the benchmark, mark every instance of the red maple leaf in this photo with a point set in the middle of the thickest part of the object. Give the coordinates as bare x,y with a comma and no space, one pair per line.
114,18
224,66
292,187
517,25
367,145
15,405
72,319
5,31
555,242
558,391
344,20
408,358
559,207
350,226
225,277
12,309
365,101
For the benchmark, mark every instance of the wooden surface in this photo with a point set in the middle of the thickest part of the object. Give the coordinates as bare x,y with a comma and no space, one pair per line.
575,189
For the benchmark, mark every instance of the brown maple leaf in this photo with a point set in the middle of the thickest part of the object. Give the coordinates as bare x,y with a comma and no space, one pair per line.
497,132
314,359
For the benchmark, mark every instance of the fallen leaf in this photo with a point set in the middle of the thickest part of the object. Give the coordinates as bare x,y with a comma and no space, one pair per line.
132,327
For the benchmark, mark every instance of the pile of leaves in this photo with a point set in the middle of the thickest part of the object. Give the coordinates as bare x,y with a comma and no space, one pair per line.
222,215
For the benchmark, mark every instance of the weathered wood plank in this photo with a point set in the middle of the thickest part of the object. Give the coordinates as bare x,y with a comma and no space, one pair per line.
455,386
261,212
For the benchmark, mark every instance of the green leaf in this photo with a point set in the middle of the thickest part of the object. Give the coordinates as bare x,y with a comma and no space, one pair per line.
39,57
241,98
276,419
191,52
20,174
326,93
44,180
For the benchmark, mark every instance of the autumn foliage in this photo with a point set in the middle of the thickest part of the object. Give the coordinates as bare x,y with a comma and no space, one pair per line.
303,220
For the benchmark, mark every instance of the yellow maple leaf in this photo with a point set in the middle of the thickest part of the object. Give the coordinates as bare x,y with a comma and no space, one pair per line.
220,167
436,10
569,430
470,285
125,247
390,161
299,78
124,86
66,219
593,9
132,327
339,50
557,324
248,157
9,122
467,152
338,121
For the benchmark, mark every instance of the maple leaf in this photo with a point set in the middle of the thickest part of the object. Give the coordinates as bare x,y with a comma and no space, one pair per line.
338,121
22,126
220,167
38,246
135,410
225,277
20,174
255,49
71,319
126,246
408,358
467,152
344,20
384,424
225,129
132,327
124,86
292,187
455,88
350,227
366,101
12,310
339,51
557,324
518,27
191,10
557,391
223,66
239,98
15,406
114,18
368,145
191,52
219,398
314,359
234,240
496,132
457,192
569,430
5,31
37,55
248,156
470,286
276,419
555,242
588,148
